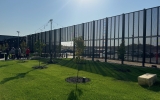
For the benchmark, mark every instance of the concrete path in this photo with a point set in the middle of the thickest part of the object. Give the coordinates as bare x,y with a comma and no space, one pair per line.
125,62
116,61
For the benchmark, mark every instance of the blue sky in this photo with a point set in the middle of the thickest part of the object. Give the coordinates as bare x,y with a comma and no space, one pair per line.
30,16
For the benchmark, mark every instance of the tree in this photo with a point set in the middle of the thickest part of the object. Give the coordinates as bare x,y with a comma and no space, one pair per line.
38,46
121,51
23,47
4,46
79,45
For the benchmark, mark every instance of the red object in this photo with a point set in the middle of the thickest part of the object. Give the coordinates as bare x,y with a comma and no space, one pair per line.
27,51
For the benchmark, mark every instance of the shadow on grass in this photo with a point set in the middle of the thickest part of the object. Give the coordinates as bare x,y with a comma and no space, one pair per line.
75,94
20,75
3,66
116,71
155,87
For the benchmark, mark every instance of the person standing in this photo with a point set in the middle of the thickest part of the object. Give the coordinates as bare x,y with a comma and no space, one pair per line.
13,53
19,53
7,53
27,53
16,53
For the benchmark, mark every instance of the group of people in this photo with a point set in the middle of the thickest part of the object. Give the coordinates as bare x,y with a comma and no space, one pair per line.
16,53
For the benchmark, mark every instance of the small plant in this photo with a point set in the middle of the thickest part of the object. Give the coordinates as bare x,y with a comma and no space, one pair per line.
23,48
121,51
79,45
38,46
3,47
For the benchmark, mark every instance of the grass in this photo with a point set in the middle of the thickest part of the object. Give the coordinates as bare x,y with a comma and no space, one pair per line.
18,81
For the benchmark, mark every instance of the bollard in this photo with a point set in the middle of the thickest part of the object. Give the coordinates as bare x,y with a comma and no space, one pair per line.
84,79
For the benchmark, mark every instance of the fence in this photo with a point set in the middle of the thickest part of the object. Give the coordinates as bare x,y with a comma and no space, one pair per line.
139,30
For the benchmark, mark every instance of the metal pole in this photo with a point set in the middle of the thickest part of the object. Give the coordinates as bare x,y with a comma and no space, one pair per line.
18,39
50,42
106,40
93,41
144,37
74,30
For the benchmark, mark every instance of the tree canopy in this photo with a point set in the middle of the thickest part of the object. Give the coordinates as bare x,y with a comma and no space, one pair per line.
121,51
79,46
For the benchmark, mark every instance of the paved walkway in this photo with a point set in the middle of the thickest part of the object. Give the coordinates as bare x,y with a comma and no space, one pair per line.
2,59
117,62
125,62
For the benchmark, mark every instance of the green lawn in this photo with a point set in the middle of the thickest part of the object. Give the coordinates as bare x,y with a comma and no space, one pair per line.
18,81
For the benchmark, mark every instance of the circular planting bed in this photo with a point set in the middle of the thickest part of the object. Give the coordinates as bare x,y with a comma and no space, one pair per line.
39,67
78,80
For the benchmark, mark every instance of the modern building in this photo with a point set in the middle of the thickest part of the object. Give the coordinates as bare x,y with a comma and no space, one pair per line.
140,30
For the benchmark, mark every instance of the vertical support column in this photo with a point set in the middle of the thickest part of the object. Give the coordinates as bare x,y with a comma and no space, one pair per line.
55,47
50,38
83,31
114,37
138,35
88,39
73,42
106,40
133,40
45,41
60,30
93,40
100,33
128,56
157,35
144,37
123,31
83,35
150,39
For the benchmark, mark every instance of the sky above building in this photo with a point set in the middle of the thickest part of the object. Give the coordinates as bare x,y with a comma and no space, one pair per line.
32,16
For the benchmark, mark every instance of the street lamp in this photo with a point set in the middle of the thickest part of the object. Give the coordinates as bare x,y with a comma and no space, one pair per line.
18,38
50,37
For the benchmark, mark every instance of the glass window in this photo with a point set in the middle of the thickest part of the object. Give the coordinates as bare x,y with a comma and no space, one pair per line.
130,48
148,22
148,42
153,52
136,44
112,28
154,21
96,30
47,37
52,36
126,25
148,48
141,23
102,29
99,31
154,44
126,49
136,24
159,22
86,31
116,27
120,26
109,27
130,24
109,48
112,49
116,48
